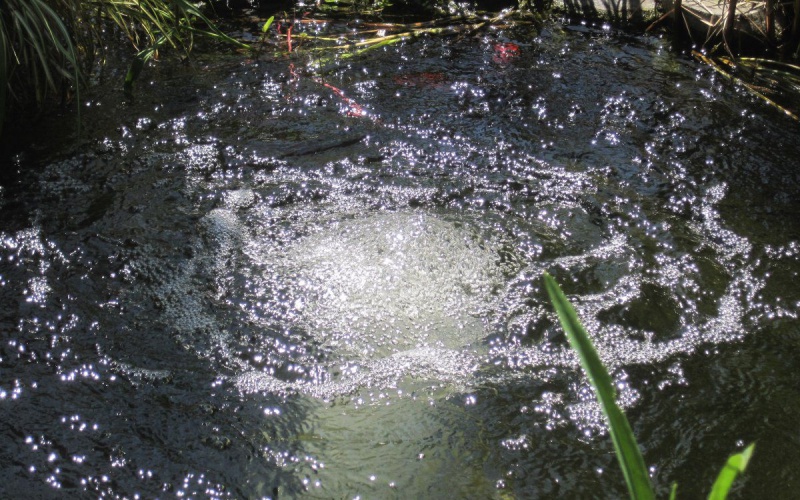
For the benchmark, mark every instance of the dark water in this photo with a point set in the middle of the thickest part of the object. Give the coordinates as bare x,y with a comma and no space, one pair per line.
245,285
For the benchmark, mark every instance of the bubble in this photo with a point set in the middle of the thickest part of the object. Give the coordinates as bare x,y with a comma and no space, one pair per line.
390,282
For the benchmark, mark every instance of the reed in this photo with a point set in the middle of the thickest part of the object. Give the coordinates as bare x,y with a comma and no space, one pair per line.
625,445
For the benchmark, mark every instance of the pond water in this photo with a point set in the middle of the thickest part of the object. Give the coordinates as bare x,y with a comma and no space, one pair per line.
255,283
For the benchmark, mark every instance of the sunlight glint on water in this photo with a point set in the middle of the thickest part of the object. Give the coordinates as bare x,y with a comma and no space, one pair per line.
228,315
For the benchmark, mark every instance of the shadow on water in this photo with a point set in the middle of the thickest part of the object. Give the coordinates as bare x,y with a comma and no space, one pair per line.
246,285
110,332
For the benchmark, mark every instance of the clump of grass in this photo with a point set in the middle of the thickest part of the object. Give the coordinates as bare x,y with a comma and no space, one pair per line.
151,25
46,46
625,445
37,55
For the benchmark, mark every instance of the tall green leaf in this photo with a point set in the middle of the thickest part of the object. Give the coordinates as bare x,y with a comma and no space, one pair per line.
138,64
735,465
37,53
628,454
267,24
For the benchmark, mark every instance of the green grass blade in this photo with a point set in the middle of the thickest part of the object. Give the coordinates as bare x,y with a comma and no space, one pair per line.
36,44
628,453
60,39
268,24
735,465
137,65
45,46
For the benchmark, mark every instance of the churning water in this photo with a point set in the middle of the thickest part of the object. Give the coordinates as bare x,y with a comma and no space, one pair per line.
247,285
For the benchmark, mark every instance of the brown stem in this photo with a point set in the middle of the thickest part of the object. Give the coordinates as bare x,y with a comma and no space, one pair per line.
730,19
678,13
769,16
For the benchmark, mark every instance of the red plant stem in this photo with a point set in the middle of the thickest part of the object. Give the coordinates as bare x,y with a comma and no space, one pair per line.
355,108
289,36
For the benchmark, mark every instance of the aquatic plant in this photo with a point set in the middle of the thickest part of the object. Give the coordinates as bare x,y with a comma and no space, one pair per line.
153,24
733,25
47,46
724,35
326,50
37,56
625,445
776,83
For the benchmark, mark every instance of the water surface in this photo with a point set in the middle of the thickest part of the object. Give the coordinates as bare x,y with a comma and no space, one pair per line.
245,285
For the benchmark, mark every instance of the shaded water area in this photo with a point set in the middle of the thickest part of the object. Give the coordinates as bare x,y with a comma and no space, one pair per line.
246,285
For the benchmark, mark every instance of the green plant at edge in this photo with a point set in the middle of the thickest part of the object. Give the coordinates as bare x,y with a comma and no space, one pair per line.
43,43
165,22
735,465
267,24
625,445
36,51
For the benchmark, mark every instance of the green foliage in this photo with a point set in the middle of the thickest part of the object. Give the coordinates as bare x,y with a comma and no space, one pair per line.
138,63
37,56
627,450
735,465
43,42
152,24
628,454
267,24
147,23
